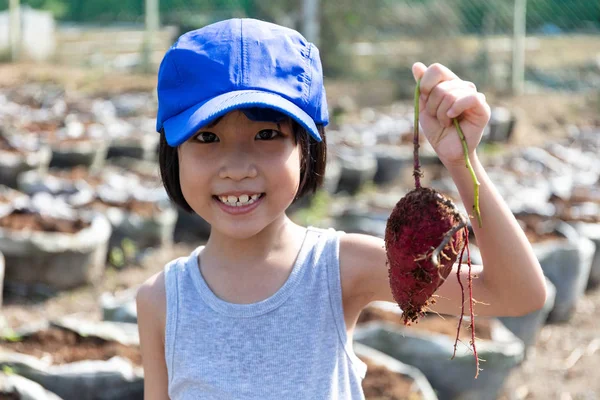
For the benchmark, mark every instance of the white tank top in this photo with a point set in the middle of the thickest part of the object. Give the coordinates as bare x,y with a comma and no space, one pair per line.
292,345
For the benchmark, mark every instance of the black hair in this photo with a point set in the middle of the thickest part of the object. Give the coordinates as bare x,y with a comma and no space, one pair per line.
312,164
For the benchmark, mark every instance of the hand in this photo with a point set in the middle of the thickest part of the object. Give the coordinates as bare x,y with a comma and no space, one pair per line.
445,96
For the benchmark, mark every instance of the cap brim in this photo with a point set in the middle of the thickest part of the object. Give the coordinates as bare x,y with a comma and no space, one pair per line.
182,126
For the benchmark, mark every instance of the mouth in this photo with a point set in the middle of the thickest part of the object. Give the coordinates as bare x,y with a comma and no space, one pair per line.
239,200
240,204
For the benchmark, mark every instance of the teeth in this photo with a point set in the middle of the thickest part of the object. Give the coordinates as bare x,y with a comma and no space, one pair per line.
242,200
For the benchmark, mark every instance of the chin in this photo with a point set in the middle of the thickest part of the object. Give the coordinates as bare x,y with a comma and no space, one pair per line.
239,230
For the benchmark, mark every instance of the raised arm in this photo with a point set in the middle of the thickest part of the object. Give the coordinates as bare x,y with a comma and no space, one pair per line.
511,281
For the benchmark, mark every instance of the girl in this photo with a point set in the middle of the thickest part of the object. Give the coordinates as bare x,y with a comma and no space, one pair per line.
266,309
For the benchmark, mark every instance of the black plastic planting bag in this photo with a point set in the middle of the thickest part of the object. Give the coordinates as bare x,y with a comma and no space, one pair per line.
431,353
14,164
528,326
358,168
592,232
90,153
1,277
116,378
14,385
567,264
59,260
120,307
420,389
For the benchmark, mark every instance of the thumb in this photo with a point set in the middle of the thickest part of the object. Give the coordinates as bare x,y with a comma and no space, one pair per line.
418,69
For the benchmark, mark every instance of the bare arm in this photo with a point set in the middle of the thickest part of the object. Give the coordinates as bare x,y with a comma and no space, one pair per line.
511,282
512,274
151,310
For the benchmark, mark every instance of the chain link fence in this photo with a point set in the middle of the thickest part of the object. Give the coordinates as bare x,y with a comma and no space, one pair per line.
359,40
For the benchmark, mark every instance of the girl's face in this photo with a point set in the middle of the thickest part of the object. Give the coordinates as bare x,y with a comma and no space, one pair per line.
240,175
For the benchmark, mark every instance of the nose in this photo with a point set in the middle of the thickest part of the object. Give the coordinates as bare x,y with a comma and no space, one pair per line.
237,164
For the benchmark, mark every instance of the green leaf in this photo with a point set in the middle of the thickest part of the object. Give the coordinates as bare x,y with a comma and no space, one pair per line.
8,370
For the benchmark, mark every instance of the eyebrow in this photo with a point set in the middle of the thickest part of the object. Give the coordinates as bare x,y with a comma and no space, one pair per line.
218,119
214,122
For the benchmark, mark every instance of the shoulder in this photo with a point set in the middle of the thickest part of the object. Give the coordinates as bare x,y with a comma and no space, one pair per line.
151,297
358,251
151,302
362,260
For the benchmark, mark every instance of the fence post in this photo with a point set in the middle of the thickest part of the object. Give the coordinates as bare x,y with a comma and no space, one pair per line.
152,20
518,59
15,29
310,14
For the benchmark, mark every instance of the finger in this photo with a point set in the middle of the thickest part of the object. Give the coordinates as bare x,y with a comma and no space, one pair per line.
433,101
473,101
435,74
447,102
418,69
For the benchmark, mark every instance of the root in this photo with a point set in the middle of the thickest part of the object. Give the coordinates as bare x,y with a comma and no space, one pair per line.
462,292
435,312
447,237
471,306
443,255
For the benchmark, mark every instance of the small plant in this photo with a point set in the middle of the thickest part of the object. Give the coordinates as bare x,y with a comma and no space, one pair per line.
124,254
316,212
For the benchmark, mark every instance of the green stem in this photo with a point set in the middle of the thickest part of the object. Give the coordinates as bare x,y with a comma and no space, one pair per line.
417,169
471,171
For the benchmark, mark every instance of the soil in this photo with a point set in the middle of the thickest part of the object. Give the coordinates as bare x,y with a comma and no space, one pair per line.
432,323
566,210
538,228
382,384
142,208
369,314
67,346
563,363
7,147
42,126
585,194
77,173
69,140
8,195
20,220
447,325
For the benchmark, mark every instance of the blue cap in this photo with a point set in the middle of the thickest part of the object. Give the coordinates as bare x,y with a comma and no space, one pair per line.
239,64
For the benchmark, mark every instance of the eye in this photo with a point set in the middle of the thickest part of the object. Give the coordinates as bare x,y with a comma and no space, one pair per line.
267,134
206,137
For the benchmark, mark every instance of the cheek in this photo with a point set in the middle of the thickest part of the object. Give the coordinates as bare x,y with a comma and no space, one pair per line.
191,178
292,170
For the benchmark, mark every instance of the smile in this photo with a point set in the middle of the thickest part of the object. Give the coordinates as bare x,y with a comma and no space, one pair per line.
241,204
238,201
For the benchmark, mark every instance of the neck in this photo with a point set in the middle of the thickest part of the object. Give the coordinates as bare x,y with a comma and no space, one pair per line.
231,253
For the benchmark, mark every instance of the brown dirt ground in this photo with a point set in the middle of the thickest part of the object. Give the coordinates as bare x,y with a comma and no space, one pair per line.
563,364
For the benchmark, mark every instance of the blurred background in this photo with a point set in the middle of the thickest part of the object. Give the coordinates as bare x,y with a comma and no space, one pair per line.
84,219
